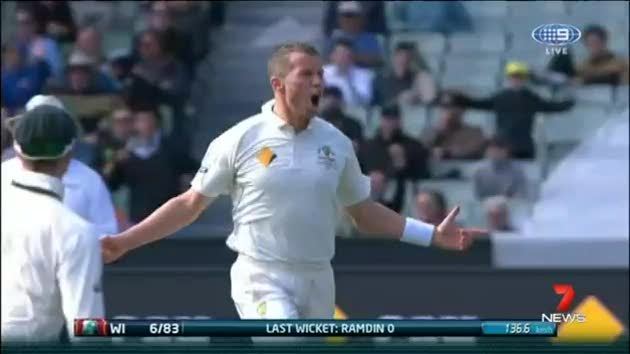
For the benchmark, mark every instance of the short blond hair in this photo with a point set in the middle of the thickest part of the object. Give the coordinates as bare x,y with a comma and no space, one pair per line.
278,64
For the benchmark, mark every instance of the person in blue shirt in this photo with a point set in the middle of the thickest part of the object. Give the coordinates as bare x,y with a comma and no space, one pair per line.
367,49
21,78
39,46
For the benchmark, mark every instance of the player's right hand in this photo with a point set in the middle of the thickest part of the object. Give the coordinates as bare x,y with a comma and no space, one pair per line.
112,248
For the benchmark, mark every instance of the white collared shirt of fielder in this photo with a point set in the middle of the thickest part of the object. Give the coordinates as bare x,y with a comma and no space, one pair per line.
286,188
85,193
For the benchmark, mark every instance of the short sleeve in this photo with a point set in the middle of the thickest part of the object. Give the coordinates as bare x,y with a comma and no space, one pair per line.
354,186
216,174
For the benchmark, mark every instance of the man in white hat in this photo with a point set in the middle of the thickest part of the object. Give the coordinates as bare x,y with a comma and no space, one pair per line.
85,192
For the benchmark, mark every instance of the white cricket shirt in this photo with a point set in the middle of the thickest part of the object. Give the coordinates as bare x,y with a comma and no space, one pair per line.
85,193
51,261
286,188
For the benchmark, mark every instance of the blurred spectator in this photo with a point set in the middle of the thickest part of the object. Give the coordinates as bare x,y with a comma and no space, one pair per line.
119,66
515,107
452,138
90,43
563,64
431,206
163,79
83,78
375,21
367,49
408,81
177,43
55,18
394,152
21,78
602,66
389,192
217,14
118,132
331,109
355,83
30,33
499,175
497,214
151,166
432,16
194,19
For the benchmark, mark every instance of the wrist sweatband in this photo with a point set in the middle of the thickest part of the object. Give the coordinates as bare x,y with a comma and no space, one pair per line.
417,232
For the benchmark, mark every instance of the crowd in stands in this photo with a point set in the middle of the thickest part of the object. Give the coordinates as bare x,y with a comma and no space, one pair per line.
132,104
361,73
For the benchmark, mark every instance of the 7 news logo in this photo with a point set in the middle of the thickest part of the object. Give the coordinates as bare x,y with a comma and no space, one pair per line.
561,315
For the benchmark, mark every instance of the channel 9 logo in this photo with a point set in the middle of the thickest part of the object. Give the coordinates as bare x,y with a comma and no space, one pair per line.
90,327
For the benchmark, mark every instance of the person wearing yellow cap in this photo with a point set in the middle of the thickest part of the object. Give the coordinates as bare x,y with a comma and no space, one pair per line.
515,107
516,68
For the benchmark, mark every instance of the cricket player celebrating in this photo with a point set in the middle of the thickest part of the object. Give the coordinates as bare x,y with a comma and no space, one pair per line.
287,172
51,259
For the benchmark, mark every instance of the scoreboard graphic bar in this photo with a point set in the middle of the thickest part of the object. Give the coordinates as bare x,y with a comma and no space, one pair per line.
311,328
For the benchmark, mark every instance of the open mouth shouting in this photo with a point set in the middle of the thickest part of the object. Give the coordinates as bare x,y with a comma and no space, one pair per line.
315,100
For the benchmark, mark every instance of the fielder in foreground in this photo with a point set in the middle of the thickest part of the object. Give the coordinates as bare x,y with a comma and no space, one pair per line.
287,172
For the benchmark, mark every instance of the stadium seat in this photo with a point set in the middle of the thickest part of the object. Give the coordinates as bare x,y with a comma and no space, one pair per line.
117,41
619,43
455,192
525,8
414,119
573,126
486,9
595,94
473,64
359,113
429,44
466,168
531,169
621,96
476,84
488,42
535,58
482,119
596,11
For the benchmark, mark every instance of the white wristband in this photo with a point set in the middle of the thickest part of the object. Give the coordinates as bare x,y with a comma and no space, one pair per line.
417,232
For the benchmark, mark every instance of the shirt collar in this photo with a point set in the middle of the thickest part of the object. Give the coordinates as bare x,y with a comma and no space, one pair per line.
278,122
39,180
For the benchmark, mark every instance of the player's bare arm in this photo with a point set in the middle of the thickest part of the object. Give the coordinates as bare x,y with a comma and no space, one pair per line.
374,218
172,216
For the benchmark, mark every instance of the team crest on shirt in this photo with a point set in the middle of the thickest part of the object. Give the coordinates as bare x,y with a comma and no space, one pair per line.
266,156
262,308
326,157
